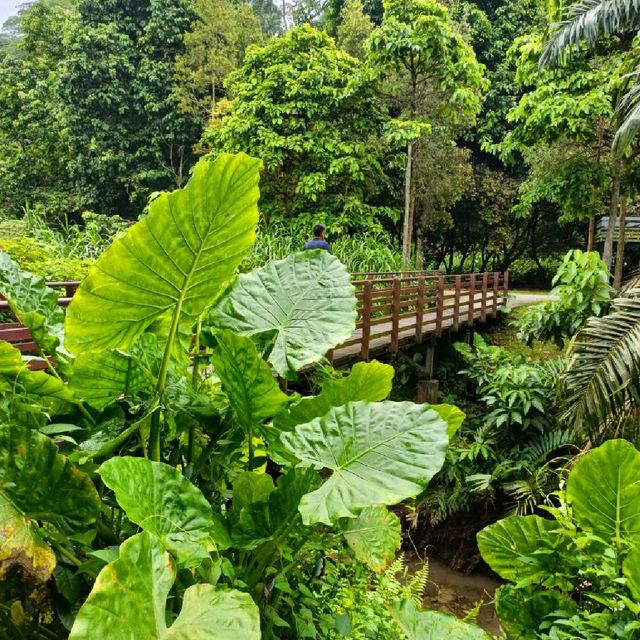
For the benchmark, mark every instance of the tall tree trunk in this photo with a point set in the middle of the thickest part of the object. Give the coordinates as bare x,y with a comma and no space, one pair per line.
591,234
617,278
607,250
409,206
420,249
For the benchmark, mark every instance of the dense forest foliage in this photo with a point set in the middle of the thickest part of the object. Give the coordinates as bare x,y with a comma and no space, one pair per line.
427,127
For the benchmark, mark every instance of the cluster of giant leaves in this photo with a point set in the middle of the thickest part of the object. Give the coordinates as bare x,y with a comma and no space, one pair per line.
546,559
179,530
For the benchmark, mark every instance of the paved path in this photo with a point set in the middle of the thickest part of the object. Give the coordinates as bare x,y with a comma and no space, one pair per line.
380,340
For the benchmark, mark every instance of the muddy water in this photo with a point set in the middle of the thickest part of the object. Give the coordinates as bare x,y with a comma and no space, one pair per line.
455,592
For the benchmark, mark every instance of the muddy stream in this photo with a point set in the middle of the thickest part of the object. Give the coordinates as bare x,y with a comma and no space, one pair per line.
456,592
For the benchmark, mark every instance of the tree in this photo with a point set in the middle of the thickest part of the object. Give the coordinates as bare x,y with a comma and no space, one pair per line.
33,141
587,22
416,40
332,17
214,47
310,112
354,29
127,136
268,15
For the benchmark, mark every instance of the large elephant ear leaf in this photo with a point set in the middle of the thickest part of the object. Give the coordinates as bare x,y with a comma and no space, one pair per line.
604,491
380,453
367,381
33,303
247,380
526,549
418,624
163,502
130,594
38,485
307,299
374,536
173,264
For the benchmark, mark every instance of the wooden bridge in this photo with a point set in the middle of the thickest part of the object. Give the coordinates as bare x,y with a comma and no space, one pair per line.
394,309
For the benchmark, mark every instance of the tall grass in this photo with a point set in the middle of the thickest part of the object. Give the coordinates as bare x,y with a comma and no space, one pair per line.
358,252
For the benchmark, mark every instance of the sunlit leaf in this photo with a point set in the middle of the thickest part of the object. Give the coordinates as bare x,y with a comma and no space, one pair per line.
603,490
374,536
173,264
307,298
162,501
379,453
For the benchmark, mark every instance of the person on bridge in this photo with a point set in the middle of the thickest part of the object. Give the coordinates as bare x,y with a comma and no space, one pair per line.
318,241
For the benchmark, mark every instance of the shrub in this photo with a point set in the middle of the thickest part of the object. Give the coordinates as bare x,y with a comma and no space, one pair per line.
574,576
581,286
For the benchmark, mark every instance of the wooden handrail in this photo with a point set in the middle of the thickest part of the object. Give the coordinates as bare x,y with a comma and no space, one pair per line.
392,307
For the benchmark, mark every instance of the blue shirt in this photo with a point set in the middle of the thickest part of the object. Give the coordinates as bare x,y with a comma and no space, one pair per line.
316,243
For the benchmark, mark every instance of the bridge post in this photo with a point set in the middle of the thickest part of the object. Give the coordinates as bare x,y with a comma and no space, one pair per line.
483,304
440,305
420,308
456,302
395,314
366,319
428,386
472,299
496,284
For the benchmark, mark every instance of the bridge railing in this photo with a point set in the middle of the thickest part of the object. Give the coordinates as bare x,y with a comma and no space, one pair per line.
393,307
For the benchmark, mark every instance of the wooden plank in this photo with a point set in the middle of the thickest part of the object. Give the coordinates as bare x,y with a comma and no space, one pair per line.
15,334
483,301
440,305
366,320
496,284
505,288
472,297
456,303
420,309
395,320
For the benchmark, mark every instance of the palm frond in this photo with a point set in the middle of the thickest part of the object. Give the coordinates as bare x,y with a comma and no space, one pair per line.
604,370
633,282
587,21
630,110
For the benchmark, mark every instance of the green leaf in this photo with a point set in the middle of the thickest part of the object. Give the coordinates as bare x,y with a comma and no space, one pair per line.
100,378
130,595
380,453
162,501
247,380
37,484
631,570
50,391
603,490
307,298
524,547
374,536
250,487
33,303
367,381
173,264
452,416
264,519
523,611
418,624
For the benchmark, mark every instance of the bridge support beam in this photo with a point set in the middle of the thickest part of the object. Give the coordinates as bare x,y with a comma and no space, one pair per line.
428,386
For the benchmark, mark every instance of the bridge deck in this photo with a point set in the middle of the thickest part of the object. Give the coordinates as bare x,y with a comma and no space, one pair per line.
396,309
